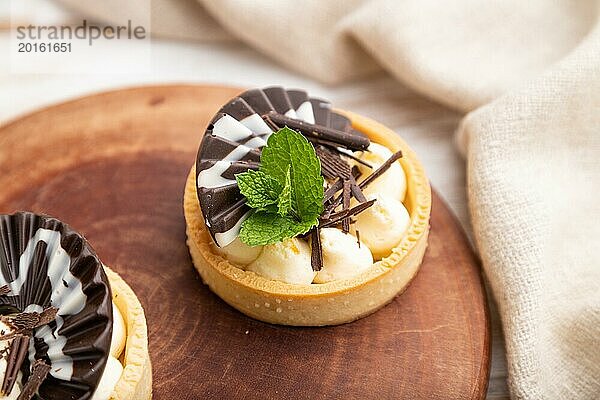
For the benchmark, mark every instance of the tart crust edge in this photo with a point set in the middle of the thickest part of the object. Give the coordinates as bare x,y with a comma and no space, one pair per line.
136,380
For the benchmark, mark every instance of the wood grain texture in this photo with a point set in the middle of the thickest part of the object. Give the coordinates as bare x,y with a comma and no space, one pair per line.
114,165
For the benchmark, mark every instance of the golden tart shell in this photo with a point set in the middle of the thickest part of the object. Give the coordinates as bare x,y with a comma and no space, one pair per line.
331,303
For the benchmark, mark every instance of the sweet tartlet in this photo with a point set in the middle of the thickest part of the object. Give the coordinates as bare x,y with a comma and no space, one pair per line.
369,238
70,327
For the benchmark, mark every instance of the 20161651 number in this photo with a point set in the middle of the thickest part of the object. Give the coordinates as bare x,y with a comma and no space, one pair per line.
27,47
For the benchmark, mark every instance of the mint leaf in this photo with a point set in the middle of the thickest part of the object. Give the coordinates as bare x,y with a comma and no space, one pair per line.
286,193
271,208
262,228
289,149
260,189
284,204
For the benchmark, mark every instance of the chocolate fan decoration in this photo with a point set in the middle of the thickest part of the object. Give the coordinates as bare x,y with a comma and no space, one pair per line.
233,141
55,283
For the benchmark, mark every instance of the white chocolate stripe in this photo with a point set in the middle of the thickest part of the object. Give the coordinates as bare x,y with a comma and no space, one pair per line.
213,177
291,113
256,124
305,112
255,143
231,129
225,238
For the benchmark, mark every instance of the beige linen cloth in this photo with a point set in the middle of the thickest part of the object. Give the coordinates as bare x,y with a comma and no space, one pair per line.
527,73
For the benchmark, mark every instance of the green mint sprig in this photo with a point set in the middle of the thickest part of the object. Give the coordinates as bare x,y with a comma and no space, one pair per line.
286,193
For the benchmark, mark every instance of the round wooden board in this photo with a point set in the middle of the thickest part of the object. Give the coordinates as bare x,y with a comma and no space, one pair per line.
113,165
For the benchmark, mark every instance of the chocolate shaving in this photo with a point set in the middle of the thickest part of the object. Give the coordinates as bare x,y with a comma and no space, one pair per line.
332,190
358,237
376,174
335,147
38,374
356,192
332,165
337,217
25,323
346,194
353,157
379,171
16,355
334,204
316,255
322,142
4,290
341,138
30,320
47,316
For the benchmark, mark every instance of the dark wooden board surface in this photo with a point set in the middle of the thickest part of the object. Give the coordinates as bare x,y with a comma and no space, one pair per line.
113,165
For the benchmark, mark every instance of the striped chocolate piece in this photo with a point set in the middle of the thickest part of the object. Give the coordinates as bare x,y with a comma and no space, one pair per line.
232,144
57,283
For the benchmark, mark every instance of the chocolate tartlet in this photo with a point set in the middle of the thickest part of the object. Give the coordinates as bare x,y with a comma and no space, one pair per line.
57,310
215,209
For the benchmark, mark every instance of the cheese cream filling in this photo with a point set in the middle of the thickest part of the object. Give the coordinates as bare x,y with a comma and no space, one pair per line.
343,256
380,228
287,261
393,181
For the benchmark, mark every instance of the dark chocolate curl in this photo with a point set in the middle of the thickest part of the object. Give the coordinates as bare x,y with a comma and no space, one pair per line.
379,171
337,217
333,189
344,139
16,355
316,255
27,321
332,164
356,192
346,194
38,375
